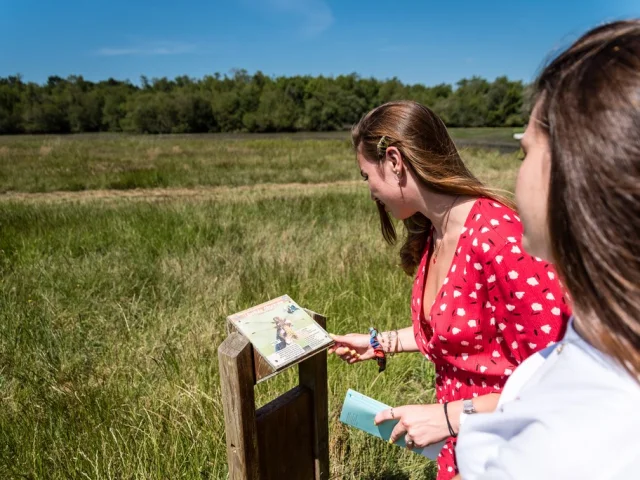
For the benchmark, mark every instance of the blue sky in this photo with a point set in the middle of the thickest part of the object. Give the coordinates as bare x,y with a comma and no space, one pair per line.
427,42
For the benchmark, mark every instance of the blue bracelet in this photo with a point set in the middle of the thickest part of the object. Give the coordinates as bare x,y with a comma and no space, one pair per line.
378,351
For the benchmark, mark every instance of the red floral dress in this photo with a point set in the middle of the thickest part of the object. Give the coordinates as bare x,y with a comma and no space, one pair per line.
497,306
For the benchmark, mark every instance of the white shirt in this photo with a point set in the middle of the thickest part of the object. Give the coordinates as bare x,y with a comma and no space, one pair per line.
567,412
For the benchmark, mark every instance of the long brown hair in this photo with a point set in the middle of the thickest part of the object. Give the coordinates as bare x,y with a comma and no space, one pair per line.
588,102
428,150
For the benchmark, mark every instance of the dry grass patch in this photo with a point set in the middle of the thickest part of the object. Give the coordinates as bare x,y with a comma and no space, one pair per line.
153,153
45,150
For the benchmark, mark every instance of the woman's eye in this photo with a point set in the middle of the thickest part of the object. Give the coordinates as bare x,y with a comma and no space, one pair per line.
365,177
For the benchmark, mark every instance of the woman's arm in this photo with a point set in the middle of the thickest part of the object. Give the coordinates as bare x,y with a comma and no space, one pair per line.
427,424
355,347
396,341
482,404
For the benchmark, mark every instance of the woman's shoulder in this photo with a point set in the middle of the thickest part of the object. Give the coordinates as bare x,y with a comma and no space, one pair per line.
503,221
576,370
583,402
525,441
490,228
575,405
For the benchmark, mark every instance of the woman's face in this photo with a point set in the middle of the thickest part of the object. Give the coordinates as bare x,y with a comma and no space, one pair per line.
532,189
384,185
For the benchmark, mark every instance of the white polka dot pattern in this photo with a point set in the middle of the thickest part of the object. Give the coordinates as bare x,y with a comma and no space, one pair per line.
500,310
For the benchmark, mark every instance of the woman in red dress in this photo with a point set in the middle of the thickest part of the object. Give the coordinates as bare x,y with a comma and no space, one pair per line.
480,305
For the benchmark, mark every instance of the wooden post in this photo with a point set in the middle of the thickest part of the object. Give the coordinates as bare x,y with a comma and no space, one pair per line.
288,437
313,375
237,379
285,437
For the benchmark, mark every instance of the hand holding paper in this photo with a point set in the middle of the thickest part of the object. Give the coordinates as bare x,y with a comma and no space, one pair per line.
419,425
360,411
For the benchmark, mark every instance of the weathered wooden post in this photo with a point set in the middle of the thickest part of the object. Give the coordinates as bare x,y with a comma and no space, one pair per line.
288,437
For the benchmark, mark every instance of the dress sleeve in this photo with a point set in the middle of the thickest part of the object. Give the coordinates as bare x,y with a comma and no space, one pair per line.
531,311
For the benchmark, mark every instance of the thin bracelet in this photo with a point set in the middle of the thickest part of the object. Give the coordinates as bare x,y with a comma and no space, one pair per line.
390,336
393,334
397,340
386,343
382,342
446,415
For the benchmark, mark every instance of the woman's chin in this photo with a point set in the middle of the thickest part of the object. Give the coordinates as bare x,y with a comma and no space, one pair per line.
402,216
398,213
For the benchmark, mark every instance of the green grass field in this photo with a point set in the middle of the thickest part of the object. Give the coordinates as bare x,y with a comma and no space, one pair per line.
113,302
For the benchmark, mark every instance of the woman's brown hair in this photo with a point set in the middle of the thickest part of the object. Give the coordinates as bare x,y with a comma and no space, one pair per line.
588,103
428,150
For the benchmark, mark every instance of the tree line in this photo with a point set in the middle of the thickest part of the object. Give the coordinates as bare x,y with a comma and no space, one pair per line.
240,102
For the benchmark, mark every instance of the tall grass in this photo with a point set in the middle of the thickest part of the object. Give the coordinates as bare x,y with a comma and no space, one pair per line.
111,314
88,162
42,163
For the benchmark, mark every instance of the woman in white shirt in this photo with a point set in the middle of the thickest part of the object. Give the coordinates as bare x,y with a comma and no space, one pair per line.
573,410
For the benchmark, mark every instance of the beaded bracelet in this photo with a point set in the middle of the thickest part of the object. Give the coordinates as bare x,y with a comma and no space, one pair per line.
390,349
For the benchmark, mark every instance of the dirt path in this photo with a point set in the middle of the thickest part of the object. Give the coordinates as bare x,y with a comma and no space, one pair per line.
247,192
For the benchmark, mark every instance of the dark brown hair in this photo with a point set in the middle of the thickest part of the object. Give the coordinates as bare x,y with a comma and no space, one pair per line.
428,150
588,103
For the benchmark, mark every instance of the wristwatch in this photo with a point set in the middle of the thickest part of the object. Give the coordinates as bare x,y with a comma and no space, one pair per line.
467,409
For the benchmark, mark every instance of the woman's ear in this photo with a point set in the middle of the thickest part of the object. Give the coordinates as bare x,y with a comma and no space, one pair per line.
396,162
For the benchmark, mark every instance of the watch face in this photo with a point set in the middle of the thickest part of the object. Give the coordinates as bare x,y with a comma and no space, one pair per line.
467,407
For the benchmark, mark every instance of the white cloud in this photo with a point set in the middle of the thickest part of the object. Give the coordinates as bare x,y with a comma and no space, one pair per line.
315,15
151,48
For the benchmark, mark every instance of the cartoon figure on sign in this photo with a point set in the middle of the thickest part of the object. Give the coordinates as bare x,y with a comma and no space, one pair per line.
284,333
292,308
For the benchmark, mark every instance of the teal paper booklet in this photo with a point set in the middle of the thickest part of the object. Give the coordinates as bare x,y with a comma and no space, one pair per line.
359,411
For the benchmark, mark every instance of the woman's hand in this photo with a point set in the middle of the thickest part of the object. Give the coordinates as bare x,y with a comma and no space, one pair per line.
421,425
352,348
